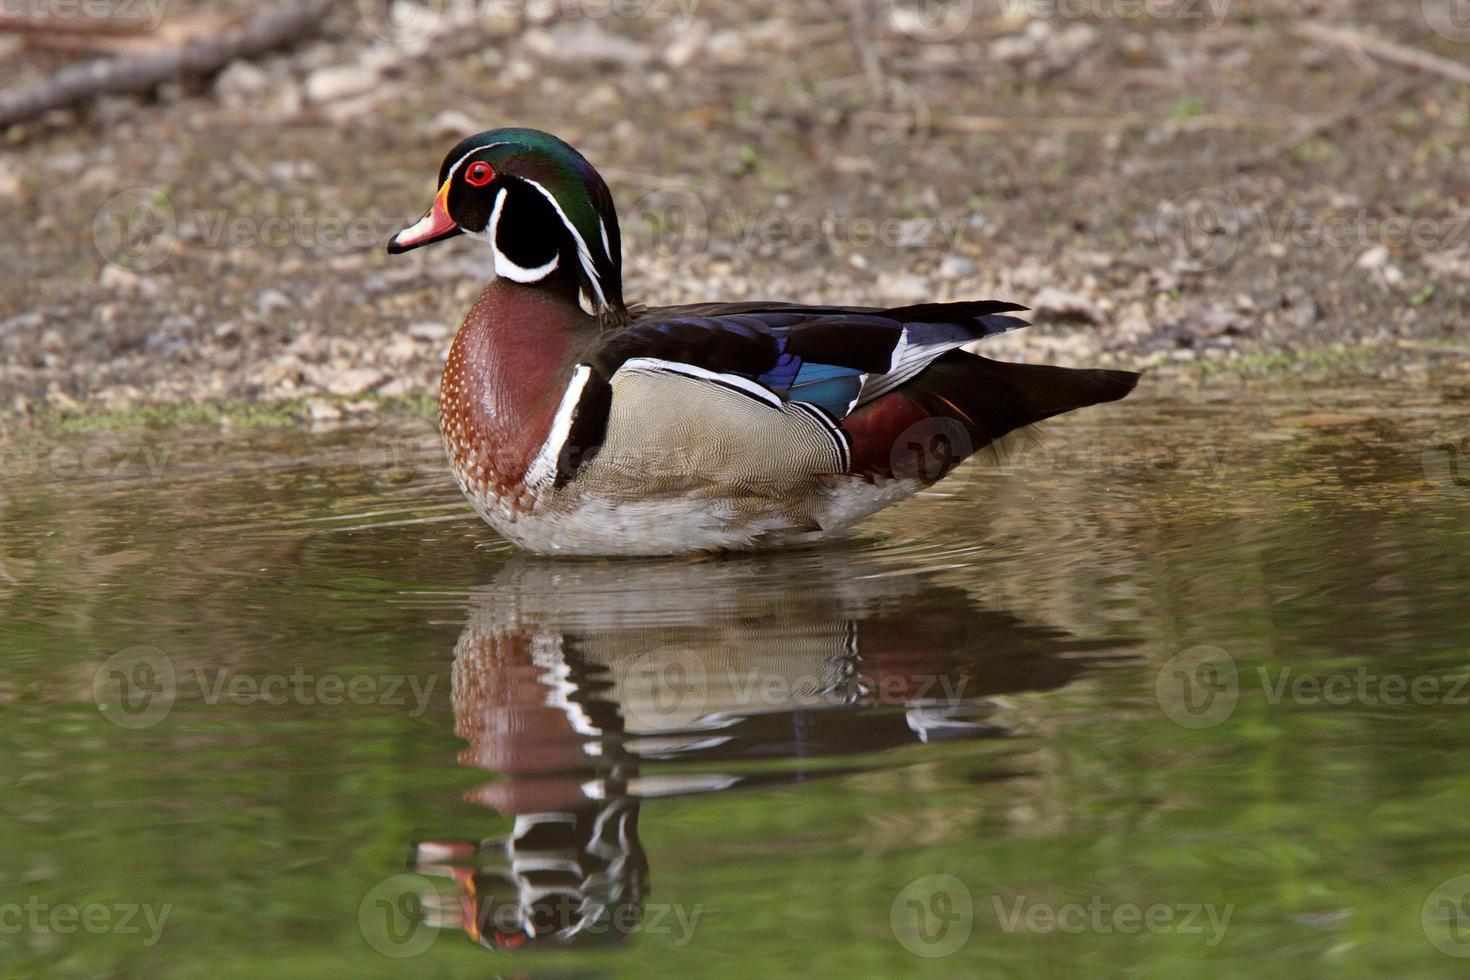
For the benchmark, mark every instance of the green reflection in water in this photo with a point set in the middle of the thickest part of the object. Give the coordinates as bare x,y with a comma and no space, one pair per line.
1190,657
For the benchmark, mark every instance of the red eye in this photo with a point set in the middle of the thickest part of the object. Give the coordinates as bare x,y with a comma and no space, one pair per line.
479,174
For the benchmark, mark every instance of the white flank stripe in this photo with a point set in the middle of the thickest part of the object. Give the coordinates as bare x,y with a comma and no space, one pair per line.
834,432
583,252
504,264
703,374
543,468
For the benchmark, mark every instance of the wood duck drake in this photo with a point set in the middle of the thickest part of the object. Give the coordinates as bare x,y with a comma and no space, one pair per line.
576,424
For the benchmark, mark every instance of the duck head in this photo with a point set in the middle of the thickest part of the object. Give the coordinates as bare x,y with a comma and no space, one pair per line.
545,212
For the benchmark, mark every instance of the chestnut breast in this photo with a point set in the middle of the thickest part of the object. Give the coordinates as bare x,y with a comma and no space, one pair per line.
507,371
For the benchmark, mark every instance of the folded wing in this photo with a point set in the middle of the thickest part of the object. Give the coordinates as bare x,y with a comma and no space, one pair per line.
861,374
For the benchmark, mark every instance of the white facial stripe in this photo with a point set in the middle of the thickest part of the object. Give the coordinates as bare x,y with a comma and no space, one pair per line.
543,468
583,252
460,162
504,264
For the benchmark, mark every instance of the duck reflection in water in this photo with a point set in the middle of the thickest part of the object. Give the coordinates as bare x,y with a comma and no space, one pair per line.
581,685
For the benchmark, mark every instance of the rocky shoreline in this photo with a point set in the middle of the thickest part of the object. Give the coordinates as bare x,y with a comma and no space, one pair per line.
784,151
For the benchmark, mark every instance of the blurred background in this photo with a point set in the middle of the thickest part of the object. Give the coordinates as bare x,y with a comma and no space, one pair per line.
1195,182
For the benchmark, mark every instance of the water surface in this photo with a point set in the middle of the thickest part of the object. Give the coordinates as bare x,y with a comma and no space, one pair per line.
1178,691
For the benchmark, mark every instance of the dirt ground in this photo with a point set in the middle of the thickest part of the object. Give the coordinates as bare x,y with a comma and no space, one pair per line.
1187,183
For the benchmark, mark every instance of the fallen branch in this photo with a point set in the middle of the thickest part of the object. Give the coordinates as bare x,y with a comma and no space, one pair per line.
1400,54
114,38
142,73
18,24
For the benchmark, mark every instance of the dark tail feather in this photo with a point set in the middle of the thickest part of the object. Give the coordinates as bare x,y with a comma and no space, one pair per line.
999,396
984,398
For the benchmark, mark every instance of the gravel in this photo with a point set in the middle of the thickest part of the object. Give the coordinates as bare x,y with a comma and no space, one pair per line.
1143,186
